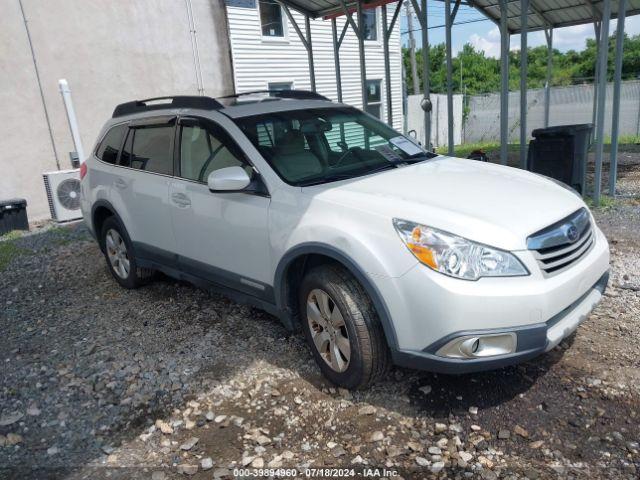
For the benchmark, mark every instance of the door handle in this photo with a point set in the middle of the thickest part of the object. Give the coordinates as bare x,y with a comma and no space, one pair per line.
120,183
180,199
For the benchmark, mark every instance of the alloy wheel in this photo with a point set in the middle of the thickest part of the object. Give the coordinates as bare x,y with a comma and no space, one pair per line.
328,330
118,254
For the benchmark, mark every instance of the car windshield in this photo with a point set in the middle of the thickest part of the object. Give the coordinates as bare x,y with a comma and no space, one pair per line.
308,147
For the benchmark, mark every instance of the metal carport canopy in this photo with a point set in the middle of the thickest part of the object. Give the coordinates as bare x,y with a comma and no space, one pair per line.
512,17
524,16
551,13
330,8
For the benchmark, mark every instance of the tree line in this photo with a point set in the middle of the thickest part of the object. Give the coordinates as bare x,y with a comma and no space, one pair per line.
481,74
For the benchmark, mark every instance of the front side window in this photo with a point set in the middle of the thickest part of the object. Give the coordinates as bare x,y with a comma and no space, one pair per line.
314,146
271,20
370,24
149,148
109,148
206,148
374,98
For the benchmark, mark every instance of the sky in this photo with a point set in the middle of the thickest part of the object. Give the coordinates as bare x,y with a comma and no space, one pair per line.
484,35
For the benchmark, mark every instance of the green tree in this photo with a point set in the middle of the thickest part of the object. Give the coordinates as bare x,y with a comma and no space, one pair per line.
481,74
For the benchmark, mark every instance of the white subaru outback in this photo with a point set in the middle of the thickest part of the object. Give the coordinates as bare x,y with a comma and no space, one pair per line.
334,222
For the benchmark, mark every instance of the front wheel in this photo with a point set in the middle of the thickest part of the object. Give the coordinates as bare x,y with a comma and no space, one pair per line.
342,327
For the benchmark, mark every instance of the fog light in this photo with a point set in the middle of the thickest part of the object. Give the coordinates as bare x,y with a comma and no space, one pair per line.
470,346
479,346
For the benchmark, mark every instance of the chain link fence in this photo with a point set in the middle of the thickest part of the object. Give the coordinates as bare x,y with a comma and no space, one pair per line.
568,105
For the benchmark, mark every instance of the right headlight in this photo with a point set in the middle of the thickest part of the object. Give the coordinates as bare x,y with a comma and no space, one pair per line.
456,256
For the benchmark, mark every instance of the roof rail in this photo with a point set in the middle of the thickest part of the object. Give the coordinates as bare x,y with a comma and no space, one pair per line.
178,101
295,94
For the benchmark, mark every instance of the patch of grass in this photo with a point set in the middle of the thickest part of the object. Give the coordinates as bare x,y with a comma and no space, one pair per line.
12,235
463,151
606,203
61,236
625,142
8,251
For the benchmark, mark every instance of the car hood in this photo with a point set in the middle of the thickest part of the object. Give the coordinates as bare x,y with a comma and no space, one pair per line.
492,204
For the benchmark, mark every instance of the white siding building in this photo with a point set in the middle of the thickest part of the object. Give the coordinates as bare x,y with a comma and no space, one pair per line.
267,53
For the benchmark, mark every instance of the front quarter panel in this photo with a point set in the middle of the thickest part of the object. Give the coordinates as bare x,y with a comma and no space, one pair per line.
368,239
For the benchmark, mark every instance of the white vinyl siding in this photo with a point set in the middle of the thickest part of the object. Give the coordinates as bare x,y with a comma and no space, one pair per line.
258,61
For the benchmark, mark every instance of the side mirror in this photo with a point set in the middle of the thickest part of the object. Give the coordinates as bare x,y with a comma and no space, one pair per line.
229,179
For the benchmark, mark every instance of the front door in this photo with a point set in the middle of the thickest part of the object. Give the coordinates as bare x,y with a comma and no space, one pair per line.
221,237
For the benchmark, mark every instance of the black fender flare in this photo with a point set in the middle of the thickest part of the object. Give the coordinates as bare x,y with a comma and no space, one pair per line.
332,252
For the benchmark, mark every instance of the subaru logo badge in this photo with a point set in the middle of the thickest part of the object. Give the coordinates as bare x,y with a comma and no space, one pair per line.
572,233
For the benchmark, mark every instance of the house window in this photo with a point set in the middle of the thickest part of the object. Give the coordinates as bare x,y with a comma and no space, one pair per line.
271,20
374,99
370,24
281,86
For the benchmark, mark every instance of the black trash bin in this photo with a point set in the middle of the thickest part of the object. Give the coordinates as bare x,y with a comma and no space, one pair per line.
13,215
561,152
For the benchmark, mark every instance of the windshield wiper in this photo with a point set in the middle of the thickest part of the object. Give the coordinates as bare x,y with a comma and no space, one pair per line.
345,176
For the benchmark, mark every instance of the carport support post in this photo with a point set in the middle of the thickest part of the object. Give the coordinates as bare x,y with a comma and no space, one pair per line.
596,29
615,120
336,58
426,87
387,67
602,85
306,41
524,65
548,33
386,35
447,21
421,14
312,70
363,68
504,83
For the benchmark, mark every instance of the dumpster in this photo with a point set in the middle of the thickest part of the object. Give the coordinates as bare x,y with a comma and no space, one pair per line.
13,215
561,152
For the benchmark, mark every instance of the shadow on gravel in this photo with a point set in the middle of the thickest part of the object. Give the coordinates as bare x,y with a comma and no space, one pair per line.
101,364
455,394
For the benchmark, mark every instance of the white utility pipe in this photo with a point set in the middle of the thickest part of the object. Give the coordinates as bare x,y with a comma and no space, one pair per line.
71,117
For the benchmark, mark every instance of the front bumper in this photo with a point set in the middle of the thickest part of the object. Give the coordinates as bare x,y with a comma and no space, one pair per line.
532,340
426,310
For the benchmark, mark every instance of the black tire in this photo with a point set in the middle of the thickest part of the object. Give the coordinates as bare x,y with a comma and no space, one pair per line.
369,353
135,276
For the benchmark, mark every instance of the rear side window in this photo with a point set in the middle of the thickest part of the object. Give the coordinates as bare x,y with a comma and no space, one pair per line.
150,149
110,146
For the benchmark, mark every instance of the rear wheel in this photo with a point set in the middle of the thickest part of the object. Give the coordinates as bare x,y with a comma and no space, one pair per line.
342,327
119,255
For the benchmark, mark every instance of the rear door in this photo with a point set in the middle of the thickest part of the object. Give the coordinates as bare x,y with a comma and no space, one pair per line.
140,191
221,237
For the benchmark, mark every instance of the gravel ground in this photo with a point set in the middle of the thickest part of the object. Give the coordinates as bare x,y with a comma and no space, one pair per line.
170,382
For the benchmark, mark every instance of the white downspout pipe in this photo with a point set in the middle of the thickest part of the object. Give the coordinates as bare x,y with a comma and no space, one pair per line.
71,117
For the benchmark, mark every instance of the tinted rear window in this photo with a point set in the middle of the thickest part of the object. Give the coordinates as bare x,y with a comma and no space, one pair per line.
109,147
150,149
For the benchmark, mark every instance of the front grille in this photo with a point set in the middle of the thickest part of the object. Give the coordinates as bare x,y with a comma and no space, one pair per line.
564,243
